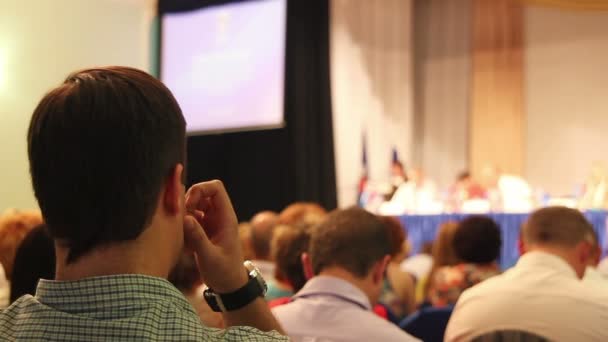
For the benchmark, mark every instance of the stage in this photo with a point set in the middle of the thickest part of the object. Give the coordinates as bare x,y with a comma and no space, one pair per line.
423,228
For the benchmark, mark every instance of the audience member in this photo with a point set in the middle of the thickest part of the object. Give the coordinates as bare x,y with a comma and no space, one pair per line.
245,238
288,245
302,213
349,252
542,293
477,246
34,260
262,229
398,289
14,226
107,152
186,278
419,265
443,255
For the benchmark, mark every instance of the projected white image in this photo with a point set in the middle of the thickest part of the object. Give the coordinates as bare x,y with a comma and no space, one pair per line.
225,64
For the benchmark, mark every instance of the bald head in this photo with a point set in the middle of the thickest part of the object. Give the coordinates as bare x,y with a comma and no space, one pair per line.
557,226
262,227
563,232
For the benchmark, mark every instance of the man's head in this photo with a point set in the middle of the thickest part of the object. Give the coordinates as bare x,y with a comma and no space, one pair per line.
288,245
14,227
302,214
354,242
563,232
397,238
106,151
477,240
262,229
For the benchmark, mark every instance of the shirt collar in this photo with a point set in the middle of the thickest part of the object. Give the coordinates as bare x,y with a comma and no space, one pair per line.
108,292
546,260
334,287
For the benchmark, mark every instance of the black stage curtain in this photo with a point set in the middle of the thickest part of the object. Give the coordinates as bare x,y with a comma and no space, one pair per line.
272,168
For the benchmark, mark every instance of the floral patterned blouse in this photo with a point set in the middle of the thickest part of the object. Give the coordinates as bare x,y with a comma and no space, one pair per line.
450,281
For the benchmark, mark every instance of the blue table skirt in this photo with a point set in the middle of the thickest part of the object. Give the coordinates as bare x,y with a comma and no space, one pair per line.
423,228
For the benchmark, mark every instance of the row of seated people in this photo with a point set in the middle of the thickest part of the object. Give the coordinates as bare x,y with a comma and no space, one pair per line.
463,256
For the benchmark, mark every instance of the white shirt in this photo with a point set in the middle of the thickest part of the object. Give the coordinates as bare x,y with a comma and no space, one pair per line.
595,278
541,295
332,309
603,266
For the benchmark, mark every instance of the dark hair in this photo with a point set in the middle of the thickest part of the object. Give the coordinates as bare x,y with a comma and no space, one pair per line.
100,147
477,240
288,245
35,259
557,226
352,239
396,233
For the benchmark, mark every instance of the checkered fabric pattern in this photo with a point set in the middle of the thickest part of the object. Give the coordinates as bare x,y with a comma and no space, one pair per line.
113,308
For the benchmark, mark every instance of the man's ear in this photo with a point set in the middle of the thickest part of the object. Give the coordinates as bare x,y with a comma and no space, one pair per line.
521,246
585,252
380,268
307,265
174,191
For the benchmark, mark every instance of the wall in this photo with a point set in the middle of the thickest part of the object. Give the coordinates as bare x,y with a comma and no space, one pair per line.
371,81
566,95
442,83
41,41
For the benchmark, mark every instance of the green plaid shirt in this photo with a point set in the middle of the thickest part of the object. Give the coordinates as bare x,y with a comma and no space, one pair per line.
113,308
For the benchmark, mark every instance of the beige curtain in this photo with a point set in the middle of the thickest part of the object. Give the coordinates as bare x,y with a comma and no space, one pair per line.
497,114
442,87
371,84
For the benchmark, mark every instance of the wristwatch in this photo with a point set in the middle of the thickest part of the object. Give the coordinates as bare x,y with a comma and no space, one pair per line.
255,287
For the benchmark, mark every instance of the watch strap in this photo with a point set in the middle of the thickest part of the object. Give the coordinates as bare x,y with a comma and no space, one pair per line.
234,300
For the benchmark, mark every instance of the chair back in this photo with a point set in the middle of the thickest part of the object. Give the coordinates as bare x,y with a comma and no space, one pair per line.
427,324
509,336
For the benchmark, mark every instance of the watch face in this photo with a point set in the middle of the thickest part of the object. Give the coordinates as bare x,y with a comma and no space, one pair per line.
255,273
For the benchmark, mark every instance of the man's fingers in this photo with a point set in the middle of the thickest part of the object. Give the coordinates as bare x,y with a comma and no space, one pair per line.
213,190
195,237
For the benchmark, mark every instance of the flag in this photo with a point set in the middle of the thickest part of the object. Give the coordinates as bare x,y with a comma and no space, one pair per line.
364,172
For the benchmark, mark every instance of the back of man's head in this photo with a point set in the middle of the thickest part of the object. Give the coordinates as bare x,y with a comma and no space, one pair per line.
262,229
351,239
302,214
288,245
100,146
563,231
